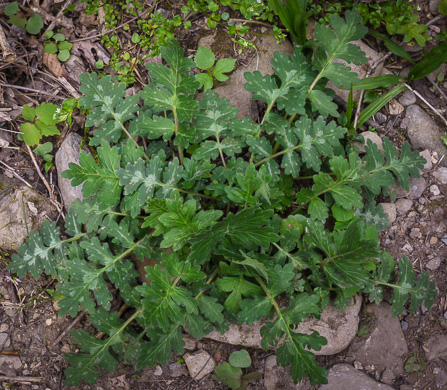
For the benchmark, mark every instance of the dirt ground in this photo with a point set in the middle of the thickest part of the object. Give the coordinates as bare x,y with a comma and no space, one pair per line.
37,338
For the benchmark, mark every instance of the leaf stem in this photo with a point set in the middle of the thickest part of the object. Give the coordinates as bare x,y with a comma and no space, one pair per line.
296,262
220,151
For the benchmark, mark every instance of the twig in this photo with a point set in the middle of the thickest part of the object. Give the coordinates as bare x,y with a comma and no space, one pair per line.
59,14
50,191
252,22
426,102
67,329
30,90
434,20
437,87
8,53
32,379
114,29
11,170
11,131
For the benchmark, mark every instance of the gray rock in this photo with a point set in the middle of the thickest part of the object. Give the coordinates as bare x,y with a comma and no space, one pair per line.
190,342
385,343
440,378
417,187
199,364
434,264
388,377
408,98
403,206
13,362
380,118
423,132
7,370
390,210
427,155
433,6
344,376
5,341
68,153
434,189
441,175
411,47
233,89
175,370
21,210
436,347
400,192
277,377
339,328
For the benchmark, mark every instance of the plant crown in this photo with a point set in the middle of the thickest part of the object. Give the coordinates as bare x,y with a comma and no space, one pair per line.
247,220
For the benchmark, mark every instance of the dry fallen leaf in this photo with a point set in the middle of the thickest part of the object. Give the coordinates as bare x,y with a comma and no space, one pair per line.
53,64
92,51
395,107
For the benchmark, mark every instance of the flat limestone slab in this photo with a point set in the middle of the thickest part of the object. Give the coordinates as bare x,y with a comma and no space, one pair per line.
339,328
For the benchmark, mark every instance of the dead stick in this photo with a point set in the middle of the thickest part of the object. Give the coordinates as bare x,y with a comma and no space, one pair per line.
427,103
31,90
33,379
437,87
50,191
8,53
114,29
251,21
66,330
10,170
59,14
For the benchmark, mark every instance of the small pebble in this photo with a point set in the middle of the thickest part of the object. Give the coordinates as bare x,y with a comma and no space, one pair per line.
158,371
427,155
415,233
433,240
49,321
387,241
408,248
444,240
380,118
404,325
404,123
358,365
5,341
445,315
434,264
217,356
422,200
434,189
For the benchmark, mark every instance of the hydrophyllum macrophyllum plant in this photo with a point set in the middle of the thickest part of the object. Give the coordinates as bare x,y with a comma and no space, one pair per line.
239,215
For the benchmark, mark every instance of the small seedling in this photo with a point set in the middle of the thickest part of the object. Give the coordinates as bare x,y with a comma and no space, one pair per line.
40,123
231,373
56,43
43,151
32,25
205,60
415,363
